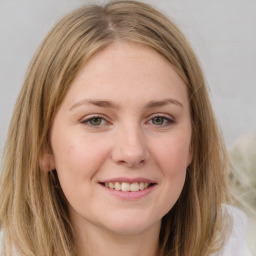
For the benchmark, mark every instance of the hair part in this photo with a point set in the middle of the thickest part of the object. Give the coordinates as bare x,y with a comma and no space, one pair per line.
33,210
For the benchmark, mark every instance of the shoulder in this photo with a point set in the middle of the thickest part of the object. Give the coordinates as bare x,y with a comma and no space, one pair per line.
2,250
2,253
235,244
1,243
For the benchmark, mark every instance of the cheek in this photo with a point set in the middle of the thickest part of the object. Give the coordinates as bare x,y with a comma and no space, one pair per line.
173,154
77,163
171,157
172,164
78,155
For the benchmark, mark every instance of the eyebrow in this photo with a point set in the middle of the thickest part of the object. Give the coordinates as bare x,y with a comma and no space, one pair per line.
160,103
98,103
109,104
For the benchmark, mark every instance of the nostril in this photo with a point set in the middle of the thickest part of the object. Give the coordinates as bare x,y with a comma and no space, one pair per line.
130,155
132,163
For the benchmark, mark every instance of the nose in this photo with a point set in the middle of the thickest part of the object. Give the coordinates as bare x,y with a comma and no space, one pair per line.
130,147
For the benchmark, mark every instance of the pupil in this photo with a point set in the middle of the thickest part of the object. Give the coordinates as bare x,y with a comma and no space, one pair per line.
158,120
95,121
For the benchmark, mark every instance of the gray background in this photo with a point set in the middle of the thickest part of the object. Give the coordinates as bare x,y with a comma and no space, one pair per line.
222,32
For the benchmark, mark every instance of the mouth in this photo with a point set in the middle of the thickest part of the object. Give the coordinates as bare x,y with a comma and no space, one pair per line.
126,186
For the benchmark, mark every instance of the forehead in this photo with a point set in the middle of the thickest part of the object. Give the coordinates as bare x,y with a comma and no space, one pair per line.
125,53
124,69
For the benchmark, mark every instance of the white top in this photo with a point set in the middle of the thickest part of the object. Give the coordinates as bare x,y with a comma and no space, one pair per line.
235,245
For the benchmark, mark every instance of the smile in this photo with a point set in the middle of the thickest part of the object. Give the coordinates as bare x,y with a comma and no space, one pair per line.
127,187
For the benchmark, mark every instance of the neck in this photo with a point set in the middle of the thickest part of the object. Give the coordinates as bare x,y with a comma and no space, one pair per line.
96,241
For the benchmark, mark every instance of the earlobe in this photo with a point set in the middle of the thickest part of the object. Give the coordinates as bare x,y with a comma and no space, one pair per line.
47,162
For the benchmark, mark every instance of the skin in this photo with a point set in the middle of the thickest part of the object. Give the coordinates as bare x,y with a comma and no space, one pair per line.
141,129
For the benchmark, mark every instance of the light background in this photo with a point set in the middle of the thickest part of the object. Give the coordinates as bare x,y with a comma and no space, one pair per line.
222,33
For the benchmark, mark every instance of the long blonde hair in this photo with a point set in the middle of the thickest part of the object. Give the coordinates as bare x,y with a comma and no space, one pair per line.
33,209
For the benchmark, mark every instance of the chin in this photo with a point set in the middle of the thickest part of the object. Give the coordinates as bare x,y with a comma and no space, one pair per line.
133,225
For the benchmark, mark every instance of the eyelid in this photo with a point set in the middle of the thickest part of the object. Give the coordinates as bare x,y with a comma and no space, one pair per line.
91,116
85,120
167,117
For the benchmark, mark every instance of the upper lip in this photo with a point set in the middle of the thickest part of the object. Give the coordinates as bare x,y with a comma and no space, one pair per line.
128,180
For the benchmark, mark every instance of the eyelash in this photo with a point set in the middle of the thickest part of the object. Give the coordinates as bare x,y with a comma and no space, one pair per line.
167,121
90,118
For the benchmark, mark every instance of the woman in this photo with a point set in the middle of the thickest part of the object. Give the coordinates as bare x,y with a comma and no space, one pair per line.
113,146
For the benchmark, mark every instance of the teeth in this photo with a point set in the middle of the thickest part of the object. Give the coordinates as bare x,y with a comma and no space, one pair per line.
141,186
127,187
135,187
117,186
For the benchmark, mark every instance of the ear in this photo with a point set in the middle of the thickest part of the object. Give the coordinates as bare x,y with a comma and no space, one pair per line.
47,162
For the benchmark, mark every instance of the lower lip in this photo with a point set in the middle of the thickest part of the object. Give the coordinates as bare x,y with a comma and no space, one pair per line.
130,195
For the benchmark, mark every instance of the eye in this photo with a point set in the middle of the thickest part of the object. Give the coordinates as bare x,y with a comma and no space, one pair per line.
95,121
158,120
161,120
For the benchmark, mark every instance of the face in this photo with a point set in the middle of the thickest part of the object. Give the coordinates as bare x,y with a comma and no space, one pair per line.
121,140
